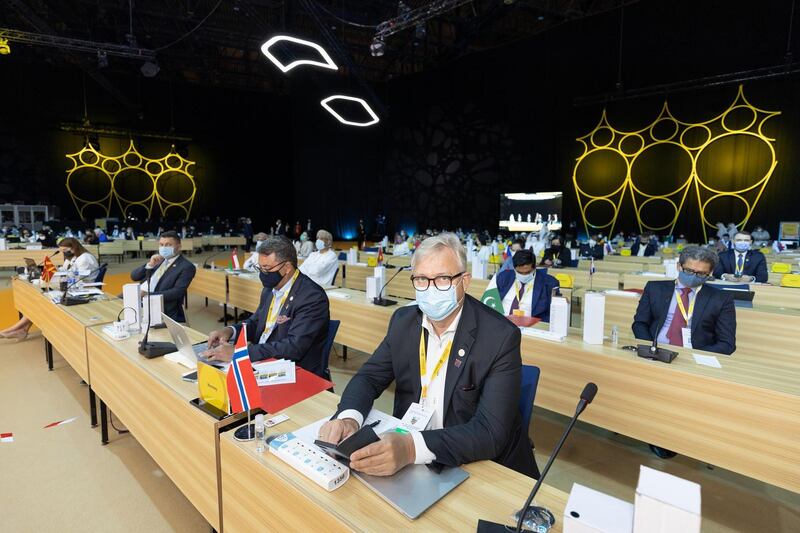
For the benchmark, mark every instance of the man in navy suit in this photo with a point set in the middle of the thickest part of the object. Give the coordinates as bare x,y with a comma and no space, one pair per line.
686,312
291,321
170,274
526,288
742,263
456,362
645,246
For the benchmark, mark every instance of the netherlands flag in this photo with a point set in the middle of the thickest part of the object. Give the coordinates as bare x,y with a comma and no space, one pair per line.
242,386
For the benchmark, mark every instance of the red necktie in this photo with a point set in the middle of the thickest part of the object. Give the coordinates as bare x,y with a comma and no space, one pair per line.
678,322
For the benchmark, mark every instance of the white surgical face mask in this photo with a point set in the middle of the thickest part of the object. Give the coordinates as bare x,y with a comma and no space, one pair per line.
524,278
320,244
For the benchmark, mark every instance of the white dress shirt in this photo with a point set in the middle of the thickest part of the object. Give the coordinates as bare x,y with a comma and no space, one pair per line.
306,249
321,267
85,262
642,250
435,400
526,304
156,276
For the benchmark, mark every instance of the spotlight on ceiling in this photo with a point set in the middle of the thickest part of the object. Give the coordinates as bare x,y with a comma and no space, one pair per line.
326,61
5,48
327,101
377,48
150,69
509,2
102,59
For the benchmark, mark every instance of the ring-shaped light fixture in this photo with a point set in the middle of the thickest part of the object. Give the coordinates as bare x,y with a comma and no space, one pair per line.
325,103
326,62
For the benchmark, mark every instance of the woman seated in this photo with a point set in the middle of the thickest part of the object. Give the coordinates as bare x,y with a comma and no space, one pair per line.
75,258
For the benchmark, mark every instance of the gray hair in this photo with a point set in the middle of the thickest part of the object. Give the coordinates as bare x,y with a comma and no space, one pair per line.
698,253
281,247
439,242
325,236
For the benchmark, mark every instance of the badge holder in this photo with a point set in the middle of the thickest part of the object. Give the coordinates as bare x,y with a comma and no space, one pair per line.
342,451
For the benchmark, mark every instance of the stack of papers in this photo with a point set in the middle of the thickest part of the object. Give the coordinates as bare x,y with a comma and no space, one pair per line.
339,294
278,372
542,334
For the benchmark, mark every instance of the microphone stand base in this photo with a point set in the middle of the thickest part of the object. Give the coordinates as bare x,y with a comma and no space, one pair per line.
658,354
383,302
538,519
151,350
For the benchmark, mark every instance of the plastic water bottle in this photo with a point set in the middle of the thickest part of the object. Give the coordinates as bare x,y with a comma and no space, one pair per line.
259,433
614,334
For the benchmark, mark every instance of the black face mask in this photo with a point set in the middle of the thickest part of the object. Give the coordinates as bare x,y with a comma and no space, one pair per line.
270,279
68,254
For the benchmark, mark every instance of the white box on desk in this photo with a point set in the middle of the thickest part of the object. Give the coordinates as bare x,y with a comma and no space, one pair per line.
590,511
478,268
352,256
559,316
594,307
380,277
132,303
666,503
372,288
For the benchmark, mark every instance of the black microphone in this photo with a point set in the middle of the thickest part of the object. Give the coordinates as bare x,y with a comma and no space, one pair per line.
153,349
380,300
77,300
588,394
52,256
655,353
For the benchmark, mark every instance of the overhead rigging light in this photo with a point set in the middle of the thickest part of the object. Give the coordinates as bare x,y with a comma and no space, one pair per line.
326,104
102,59
325,60
5,48
377,48
150,69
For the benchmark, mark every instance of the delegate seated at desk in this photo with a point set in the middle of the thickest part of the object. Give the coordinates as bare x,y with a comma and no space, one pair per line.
321,265
469,383
526,288
645,246
557,255
742,263
666,308
172,275
291,320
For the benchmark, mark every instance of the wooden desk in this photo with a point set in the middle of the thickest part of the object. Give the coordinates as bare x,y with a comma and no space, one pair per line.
581,278
355,276
244,291
758,329
116,248
16,258
216,240
706,413
618,267
259,492
132,246
210,283
633,259
151,399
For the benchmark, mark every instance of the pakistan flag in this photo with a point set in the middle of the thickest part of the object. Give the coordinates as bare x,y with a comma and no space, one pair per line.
492,298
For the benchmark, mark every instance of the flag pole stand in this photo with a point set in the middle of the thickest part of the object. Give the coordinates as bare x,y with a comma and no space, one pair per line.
247,431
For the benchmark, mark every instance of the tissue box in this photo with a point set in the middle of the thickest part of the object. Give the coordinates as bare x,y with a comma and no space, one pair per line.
666,503
590,511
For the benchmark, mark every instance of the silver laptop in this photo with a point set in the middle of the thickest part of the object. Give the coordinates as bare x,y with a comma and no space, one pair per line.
415,488
184,345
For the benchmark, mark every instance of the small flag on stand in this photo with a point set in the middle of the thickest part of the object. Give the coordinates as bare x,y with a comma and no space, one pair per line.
6,437
61,422
235,259
380,255
491,296
48,269
592,269
507,252
242,386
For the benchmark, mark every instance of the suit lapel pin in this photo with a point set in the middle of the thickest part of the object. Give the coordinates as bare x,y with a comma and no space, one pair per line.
457,362
461,352
291,298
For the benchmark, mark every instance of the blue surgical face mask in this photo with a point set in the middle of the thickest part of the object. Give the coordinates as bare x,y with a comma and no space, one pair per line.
320,244
166,251
741,246
437,304
690,280
524,278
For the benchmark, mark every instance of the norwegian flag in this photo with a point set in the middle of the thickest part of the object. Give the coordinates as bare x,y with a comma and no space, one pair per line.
48,269
242,386
592,269
235,259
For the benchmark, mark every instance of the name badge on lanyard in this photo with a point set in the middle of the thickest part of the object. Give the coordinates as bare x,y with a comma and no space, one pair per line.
419,414
686,332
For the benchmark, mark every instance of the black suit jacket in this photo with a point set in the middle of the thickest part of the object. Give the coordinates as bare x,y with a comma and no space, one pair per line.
713,322
172,285
301,330
651,249
755,264
481,399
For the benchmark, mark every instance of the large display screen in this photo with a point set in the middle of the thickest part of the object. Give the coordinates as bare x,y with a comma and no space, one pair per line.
525,211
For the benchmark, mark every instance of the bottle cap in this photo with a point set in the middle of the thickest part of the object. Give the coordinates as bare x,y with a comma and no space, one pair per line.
259,419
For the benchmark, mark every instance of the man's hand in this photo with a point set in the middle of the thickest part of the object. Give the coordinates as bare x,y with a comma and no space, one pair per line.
548,262
384,458
730,277
223,352
220,336
335,431
155,260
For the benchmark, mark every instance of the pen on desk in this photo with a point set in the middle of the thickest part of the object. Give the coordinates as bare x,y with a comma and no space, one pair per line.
374,424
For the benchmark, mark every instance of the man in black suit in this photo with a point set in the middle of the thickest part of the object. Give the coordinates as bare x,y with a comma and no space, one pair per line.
291,321
645,246
170,275
468,390
741,263
676,311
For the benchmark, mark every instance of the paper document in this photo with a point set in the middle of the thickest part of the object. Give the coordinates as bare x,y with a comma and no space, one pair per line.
178,357
339,295
85,292
707,360
628,294
277,372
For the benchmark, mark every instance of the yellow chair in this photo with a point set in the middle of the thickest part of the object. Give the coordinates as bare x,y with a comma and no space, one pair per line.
495,259
766,250
781,268
790,280
626,252
667,251
565,280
